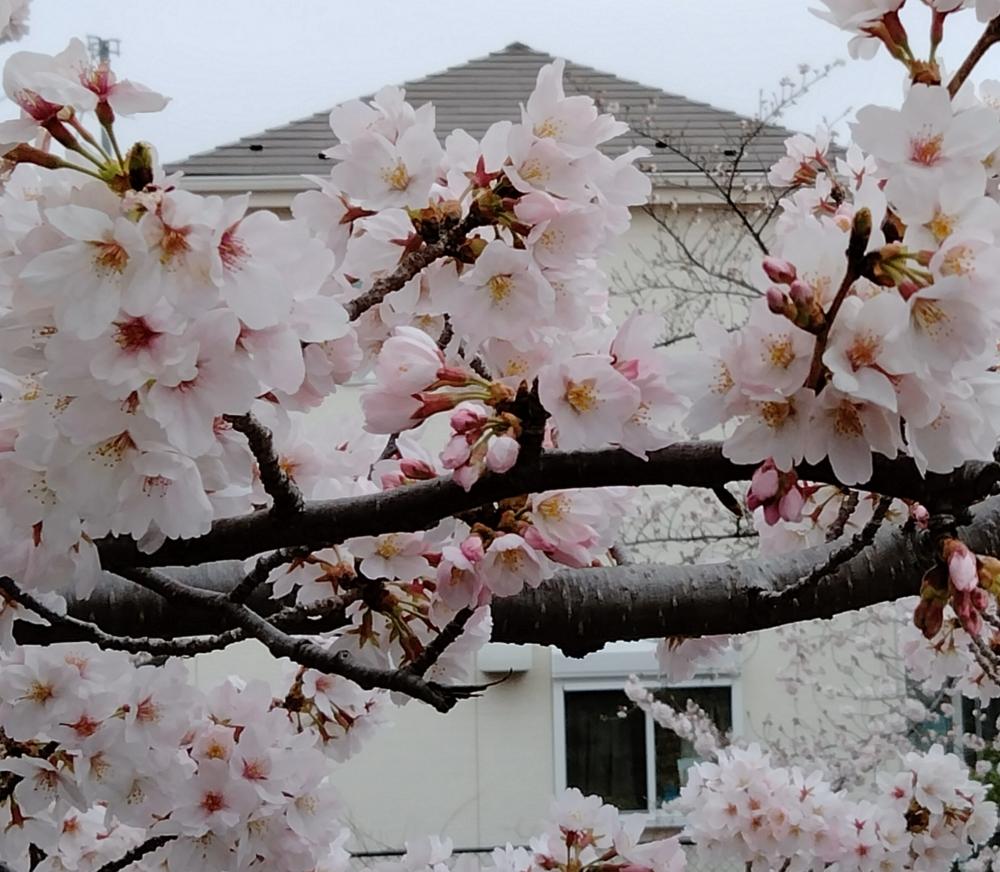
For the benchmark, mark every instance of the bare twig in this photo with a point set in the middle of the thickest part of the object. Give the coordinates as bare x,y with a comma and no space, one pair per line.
412,263
432,653
989,38
285,494
90,632
847,506
301,650
858,542
262,569
137,853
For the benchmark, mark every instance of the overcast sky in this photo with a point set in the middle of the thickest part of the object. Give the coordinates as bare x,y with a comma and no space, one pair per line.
235,67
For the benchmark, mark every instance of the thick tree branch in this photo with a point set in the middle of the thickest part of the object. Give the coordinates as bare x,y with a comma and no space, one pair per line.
581,610
421,506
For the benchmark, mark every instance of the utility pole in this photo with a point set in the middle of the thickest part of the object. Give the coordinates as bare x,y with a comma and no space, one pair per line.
101,50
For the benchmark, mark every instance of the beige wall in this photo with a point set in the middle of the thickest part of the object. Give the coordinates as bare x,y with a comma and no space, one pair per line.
485,772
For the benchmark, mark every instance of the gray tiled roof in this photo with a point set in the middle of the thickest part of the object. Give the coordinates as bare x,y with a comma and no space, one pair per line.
481,91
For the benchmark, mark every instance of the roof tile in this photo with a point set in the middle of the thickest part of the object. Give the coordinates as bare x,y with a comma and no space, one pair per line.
475,94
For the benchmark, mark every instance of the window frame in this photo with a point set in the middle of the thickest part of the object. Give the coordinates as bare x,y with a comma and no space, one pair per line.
572,684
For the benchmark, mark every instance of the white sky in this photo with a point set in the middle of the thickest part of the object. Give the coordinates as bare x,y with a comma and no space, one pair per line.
235,67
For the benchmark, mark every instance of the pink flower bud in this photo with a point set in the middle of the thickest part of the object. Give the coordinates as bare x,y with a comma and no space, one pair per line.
502,453
467,418
780,271
791,504
449,375
456,452
765,481
801,293
418,470
776,300
431,404
472,548
962,569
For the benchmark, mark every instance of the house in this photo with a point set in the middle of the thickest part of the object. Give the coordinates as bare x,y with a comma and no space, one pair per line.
485,773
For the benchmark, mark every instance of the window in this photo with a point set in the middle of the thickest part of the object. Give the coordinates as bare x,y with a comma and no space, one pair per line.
617,752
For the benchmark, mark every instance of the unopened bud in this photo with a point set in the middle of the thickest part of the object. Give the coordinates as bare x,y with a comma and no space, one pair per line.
472,548
139,164
861,231
449,375
24,153
105,114
777,302
417,470
780,271
801,293
466,419
62,134
907,288
431,404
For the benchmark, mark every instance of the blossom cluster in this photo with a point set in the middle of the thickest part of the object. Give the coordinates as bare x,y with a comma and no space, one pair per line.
580,831
923,817
104,754
888,348
137,317
108,754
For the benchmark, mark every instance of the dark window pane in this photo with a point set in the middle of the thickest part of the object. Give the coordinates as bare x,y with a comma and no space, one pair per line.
674,755
981,721
606,754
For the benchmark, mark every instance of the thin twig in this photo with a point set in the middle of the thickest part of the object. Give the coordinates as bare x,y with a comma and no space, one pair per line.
858,542
432,653
847,507
412,263
285,494
262,569
299,649
137,853
86,631
989,37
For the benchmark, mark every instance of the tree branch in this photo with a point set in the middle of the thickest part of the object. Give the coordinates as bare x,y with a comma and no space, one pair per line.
439,644
420,506
412,263
989,37
137,853
284,493
581,610
299,650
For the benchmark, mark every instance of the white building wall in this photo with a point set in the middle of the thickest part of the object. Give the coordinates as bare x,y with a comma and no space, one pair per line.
485,772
